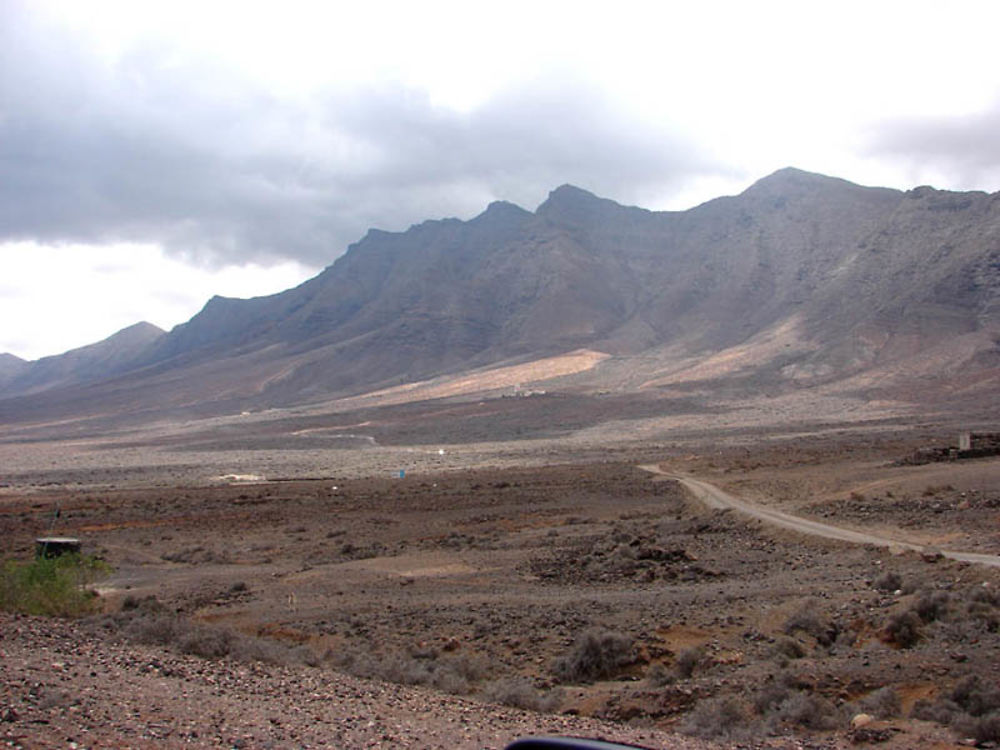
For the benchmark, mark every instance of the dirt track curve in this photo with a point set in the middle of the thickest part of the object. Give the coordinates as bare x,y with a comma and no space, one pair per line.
713,497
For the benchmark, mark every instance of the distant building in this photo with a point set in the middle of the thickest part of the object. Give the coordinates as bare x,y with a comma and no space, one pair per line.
54,546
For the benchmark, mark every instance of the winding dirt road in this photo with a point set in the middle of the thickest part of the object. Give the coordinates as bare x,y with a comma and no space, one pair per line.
713,497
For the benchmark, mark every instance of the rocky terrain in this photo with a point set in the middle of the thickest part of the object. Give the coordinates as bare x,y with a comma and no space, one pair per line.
520,474
269,613
802,281
62,688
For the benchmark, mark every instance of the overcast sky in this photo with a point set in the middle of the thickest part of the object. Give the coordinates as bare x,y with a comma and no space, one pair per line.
153,154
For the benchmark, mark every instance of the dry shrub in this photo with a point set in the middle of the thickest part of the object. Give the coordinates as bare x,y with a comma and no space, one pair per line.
807,710
769,697
787,701
787,648
888,581
451,674
904,629
147,621
941,712
659,676
471,667
975,695
981,605
596,654
933,490
972,708
983,729
807,621
688,660
518,692
883,703
932,605
152,628
722,717
206,642
197,556
984,595
406,670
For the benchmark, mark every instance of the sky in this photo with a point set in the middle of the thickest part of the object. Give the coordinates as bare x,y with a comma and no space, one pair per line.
153,154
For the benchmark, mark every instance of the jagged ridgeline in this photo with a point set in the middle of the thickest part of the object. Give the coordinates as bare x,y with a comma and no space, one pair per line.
801,280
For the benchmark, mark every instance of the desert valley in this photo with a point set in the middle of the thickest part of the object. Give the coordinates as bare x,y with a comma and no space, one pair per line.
725,477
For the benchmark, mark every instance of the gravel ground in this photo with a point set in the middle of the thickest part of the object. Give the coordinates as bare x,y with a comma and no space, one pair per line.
59,687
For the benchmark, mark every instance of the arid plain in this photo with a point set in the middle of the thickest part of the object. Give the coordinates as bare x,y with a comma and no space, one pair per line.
368,543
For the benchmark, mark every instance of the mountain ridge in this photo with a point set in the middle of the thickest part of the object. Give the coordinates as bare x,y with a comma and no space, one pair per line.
855,277
117,353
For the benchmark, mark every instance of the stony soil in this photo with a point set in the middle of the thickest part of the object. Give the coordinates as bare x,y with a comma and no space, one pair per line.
62,688
477,580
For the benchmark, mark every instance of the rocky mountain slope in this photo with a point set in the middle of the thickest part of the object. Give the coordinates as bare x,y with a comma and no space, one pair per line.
117,353
10,366
800,280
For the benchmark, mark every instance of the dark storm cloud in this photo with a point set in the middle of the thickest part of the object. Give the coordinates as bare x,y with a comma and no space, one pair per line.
185,154
965,148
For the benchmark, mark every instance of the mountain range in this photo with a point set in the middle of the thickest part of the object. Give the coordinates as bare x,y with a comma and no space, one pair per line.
802,280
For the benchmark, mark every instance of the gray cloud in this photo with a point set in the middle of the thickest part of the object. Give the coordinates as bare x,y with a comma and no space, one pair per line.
198,159
965,148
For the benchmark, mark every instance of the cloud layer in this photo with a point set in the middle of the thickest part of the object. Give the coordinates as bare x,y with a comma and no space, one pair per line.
963,149
193,157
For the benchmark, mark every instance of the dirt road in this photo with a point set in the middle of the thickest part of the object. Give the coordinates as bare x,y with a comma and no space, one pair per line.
713,497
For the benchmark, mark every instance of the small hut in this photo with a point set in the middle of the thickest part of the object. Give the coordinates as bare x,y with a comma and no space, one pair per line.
55,546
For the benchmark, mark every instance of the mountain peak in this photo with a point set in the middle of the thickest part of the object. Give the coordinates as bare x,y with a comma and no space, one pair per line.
793,178
570,203
503,211
142,328
791,183
570,194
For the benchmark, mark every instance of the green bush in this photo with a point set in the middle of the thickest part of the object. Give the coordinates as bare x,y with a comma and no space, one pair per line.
51,586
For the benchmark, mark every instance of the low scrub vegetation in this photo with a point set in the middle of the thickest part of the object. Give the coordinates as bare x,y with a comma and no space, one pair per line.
688,661
781,705
808,621
519,692
956,616
721,717
420,665
150,622
904,629
883,703
51,586
971,707
596,655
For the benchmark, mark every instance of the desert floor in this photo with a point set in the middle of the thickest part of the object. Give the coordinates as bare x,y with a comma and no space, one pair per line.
474,569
